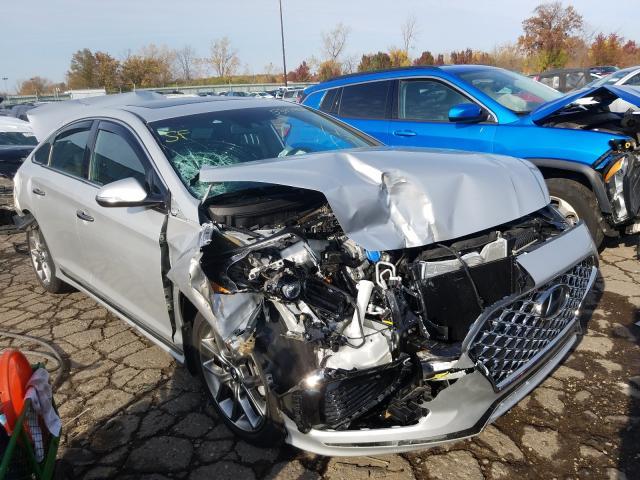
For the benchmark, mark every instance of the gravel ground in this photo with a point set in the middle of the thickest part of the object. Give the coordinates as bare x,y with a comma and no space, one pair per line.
129,411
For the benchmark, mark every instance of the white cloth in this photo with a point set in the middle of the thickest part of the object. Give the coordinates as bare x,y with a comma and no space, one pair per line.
41,396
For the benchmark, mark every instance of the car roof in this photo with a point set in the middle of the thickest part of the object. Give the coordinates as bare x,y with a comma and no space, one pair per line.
392,73
149,106
627,69
155,110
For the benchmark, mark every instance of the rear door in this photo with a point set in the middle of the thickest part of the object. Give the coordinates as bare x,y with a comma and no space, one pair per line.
366,106
55,190
122,244
421,118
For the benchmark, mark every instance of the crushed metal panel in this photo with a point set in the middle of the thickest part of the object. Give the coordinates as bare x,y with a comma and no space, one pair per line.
386,199
558,255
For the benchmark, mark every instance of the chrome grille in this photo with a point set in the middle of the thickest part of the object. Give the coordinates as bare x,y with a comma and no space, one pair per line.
512,336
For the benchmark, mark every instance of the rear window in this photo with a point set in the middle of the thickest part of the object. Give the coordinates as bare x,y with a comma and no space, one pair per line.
366,100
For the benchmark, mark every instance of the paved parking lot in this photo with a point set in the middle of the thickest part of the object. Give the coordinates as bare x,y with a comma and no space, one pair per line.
130,412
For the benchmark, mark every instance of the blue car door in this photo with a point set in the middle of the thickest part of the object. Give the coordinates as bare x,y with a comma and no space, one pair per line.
366,106
420,118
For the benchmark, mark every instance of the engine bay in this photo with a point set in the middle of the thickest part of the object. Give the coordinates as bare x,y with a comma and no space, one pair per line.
350,337
595,113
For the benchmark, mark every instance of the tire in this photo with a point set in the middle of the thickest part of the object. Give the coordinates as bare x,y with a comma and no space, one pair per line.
42,262
577,202
265,429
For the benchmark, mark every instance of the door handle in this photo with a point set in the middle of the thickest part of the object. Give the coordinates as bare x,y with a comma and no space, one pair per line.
404,133
84,216
37,191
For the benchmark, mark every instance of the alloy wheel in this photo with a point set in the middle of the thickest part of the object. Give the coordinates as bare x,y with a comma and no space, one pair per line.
235,384
40,256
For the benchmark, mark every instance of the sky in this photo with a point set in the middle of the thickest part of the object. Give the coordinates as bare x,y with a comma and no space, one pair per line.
39,36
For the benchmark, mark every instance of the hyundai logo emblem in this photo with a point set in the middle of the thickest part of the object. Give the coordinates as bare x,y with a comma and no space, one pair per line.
551,302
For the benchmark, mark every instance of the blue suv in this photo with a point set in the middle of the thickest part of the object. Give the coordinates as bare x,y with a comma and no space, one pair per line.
586,152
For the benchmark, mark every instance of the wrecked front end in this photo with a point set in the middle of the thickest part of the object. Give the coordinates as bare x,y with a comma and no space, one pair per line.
611,110
391,350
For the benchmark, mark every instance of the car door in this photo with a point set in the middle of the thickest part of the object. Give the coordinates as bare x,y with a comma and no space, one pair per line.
55,190
421,118
366,106
121,245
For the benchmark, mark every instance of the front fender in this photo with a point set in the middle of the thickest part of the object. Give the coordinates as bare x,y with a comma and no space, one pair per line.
592,176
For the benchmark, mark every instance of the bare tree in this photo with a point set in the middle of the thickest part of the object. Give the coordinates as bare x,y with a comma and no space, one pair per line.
350,64
186,61
409,31
334,41
224,59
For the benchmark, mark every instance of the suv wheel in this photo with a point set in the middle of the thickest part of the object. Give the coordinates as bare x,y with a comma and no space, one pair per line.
43,265
576,202
238,387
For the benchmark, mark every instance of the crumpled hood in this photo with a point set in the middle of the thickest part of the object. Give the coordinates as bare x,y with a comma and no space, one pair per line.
625,92
386,199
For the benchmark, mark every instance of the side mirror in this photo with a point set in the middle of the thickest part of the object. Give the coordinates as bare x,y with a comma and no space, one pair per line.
466,113
127,192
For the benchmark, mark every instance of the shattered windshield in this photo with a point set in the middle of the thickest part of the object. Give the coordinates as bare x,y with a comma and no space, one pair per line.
244,135
516,92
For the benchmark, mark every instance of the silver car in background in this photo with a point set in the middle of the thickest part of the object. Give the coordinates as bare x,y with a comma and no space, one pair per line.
330,292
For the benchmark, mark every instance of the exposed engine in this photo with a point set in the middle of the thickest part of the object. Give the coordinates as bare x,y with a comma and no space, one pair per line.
352,337
598,113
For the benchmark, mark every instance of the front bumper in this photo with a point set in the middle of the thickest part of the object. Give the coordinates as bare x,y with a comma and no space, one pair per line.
465,407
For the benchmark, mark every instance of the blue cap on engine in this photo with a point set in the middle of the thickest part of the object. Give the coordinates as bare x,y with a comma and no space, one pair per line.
373,255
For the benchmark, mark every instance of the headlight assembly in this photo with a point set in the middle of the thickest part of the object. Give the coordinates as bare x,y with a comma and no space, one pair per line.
614,179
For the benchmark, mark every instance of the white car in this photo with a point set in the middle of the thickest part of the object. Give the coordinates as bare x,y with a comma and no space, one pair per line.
330,292
626,76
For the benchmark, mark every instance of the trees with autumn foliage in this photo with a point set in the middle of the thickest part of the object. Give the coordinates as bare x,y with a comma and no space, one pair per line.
552,36
548,34
300,74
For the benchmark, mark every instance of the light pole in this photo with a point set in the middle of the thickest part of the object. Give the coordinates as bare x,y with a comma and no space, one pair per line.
284,60
6,90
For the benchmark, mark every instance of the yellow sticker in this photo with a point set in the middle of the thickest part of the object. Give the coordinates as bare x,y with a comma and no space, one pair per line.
173,136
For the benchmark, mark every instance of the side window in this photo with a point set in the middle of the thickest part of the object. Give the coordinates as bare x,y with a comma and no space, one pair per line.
41,155
427,100
68,152
575,80
553,82
366,100
635,80
114,158
329,100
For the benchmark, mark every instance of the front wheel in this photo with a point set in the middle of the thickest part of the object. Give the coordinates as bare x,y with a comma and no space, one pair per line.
238,388
576,202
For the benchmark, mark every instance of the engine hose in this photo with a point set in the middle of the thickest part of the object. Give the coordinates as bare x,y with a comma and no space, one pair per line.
61,369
